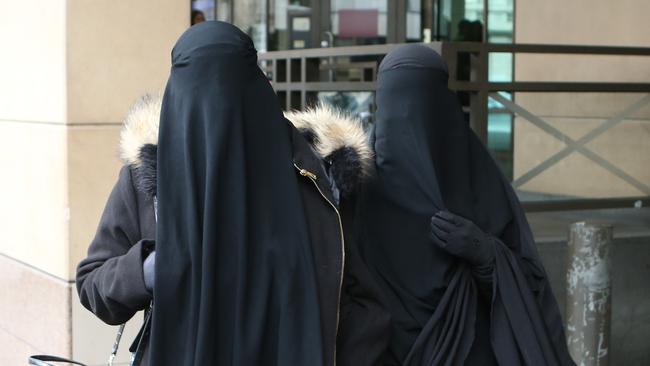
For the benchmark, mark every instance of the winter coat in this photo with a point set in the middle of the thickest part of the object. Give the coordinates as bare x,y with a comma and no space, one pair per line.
331,155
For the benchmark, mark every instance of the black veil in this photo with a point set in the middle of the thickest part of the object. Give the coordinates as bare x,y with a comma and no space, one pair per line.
428,159
235,282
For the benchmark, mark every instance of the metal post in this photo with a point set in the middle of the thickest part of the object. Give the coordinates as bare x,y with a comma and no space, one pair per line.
589,293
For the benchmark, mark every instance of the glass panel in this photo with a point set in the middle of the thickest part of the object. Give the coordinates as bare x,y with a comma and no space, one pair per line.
358,22
202,10
500,21
415,30
224,10
500,139
500,67
445,20
500,119
250,16
464,19
290,24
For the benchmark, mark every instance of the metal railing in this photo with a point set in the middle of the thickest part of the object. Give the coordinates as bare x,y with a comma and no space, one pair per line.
299,75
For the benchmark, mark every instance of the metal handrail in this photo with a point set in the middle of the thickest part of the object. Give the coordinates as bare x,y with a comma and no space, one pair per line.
369,50
449,50
586,204
461,46
298,84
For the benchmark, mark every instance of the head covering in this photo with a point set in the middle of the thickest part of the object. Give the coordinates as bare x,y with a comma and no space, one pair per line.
235,282
426,152
427,160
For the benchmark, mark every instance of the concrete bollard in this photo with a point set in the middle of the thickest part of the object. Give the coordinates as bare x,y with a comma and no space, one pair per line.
589,293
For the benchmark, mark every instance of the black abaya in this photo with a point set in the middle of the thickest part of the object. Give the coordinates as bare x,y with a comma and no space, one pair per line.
235,279
428,160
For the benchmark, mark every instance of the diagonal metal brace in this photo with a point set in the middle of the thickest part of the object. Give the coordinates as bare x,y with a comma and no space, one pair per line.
575,145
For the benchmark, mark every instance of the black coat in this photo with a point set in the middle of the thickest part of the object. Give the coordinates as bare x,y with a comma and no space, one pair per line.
110,280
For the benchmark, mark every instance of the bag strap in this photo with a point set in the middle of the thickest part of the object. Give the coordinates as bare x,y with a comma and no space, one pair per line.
42,360
141,341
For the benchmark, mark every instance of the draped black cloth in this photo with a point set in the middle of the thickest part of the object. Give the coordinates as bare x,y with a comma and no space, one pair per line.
427,160
235,283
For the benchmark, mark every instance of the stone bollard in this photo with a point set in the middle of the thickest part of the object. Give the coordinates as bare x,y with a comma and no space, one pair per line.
589,293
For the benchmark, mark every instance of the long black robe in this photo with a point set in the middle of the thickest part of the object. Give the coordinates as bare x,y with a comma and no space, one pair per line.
235,279
428,159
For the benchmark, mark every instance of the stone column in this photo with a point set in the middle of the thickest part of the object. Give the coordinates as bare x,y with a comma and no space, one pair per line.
71,69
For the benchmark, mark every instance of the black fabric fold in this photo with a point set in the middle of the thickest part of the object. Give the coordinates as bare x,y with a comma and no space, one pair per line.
443,340
428,160
235,278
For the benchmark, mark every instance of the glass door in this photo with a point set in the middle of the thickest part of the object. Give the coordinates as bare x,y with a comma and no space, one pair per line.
290,25
357,22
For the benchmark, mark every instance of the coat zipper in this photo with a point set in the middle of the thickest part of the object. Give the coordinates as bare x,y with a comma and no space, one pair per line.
312,177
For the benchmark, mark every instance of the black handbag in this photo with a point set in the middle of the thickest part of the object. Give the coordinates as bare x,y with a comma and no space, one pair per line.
137,347
42,360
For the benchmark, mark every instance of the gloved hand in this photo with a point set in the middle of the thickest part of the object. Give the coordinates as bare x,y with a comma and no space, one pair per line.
462,238
148,271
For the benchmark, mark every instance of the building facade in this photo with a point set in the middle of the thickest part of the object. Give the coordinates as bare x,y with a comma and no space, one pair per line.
72,68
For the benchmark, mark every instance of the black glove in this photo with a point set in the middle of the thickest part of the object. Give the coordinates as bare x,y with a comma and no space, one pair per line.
462,238
148,271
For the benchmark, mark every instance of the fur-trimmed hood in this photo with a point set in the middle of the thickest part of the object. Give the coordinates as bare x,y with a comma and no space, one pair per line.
337,138
139,142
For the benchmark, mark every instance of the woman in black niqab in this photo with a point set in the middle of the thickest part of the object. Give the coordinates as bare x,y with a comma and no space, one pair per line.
235,282
444,234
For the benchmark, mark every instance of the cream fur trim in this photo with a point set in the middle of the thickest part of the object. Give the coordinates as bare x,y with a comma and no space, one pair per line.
140,128
334,130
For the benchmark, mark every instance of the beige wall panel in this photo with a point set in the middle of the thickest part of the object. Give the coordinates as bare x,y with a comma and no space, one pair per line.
588,68
39,317
34,214
575,175
117,50
575,114
32,76
93,166
582,105
627,146
588,22
13,350
532,146
583,22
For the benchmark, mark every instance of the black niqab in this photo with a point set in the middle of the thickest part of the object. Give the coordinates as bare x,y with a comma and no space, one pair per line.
235,281
427,160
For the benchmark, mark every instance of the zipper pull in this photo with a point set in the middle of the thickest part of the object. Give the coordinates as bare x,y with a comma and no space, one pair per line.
308,174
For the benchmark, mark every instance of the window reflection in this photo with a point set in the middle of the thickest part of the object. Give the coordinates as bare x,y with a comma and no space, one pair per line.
414,21
445,20
358,22
250,16
202,10
290,25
